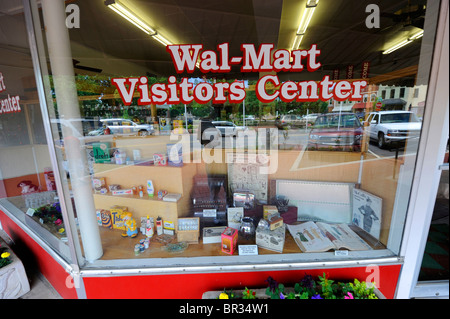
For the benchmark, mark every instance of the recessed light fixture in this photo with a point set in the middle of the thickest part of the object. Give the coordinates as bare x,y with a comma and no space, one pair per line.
404,42
304,22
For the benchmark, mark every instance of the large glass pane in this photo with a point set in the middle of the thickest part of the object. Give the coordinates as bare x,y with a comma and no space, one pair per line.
295,123
27,183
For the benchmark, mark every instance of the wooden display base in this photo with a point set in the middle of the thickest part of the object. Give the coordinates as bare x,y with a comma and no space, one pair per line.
117,247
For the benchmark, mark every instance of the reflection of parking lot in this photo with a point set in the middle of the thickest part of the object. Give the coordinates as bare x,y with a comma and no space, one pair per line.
297,139
395,149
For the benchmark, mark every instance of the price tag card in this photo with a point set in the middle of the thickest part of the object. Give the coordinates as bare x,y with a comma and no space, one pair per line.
30,212
341,252
248,250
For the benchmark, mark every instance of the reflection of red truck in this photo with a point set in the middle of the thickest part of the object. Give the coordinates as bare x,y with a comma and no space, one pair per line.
49,179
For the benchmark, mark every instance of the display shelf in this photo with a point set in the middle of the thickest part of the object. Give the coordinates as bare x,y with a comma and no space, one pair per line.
169,178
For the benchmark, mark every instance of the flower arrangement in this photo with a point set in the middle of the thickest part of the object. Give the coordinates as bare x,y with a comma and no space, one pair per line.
50,213
310,288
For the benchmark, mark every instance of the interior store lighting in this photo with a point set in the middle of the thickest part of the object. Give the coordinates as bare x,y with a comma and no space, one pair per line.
304,22
404,42
128,15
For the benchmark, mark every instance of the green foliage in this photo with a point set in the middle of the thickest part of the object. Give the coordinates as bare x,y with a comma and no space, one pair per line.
361,291
5,258
248,294
327,287
276,293
322,288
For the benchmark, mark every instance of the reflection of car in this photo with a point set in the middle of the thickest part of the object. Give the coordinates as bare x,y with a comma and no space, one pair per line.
124,127
339,131
209,135
227,128
386,127
99,131
250,120
287,121
310,118
79,126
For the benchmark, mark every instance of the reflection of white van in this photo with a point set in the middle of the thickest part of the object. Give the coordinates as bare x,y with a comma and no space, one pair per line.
310,118
127,127
386,127
87,125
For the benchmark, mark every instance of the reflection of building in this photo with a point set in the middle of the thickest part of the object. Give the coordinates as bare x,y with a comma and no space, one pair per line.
356,106
391,98
403,98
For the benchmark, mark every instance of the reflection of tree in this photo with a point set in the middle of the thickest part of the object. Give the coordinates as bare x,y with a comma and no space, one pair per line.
105,102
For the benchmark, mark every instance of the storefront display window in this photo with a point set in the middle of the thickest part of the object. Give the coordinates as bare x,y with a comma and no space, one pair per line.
244,132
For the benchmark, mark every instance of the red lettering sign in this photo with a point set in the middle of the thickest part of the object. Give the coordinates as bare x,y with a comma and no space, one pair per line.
10,104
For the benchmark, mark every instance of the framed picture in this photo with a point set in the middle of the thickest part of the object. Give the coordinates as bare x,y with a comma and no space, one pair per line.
235,214
244,174
367,212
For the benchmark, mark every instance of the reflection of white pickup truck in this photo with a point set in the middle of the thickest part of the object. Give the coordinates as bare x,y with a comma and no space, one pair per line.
388,126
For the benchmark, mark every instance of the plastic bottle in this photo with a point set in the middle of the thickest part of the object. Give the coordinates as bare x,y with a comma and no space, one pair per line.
150,188
148,227
159,226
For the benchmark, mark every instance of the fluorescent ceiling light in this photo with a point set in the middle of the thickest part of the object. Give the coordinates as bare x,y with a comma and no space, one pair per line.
128,15
161,39
416,36
304,22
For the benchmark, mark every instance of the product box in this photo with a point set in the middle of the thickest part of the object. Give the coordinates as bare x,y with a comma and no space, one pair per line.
106,218
213,235
275,221
117,213
188,230
269,210
102,152
175,154
235,215
123,192
171,197
113,187
159,160
169,225
99,216
271,239
229,240
99,184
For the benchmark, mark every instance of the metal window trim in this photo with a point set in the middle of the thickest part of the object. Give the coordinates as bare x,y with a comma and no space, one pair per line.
431,289
231,268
